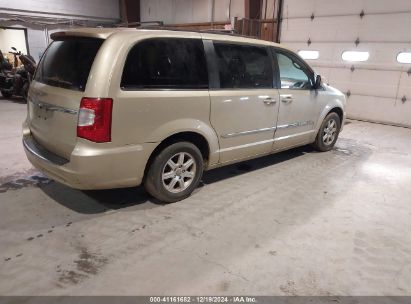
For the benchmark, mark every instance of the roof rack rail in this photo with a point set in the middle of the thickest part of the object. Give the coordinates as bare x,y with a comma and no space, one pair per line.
139,24
208,31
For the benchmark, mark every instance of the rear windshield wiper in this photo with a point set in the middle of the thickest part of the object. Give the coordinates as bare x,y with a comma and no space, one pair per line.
60,83
58,80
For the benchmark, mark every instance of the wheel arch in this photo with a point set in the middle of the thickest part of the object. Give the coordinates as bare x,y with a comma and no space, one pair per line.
327,110
199,140
339,111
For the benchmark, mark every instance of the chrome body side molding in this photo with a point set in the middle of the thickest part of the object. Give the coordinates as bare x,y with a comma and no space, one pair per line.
229,135
297,124
53,108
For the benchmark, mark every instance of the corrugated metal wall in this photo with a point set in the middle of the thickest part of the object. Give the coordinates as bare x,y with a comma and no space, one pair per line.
189,11
379,89
54,13
102,10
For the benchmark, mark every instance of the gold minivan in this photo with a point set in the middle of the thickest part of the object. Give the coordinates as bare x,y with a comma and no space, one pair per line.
111,108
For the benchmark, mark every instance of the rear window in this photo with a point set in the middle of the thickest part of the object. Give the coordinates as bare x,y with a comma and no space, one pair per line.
166,63
67,63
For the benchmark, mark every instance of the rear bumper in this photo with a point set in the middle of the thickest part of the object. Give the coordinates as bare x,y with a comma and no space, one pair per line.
91,168
30,145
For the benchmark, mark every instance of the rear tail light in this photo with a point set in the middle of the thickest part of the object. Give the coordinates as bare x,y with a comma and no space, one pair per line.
94,119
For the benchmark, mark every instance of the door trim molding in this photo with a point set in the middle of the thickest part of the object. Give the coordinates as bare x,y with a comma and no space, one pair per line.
246,146
297,124
230,135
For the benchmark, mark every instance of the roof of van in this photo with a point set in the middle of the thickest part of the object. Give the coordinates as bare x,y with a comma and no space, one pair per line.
104,33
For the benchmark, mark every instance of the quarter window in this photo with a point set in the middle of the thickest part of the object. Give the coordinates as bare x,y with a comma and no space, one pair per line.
243,66
166,63
292,74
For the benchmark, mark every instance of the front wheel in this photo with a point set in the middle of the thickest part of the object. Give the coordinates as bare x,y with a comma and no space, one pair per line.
328,132
175,172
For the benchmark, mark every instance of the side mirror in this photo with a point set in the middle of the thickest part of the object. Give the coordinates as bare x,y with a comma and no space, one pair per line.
317,84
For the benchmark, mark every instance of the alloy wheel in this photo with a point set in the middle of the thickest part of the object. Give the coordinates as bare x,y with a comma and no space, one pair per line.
330,131
179,172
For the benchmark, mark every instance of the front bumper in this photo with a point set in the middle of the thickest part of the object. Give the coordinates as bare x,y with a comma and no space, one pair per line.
91,168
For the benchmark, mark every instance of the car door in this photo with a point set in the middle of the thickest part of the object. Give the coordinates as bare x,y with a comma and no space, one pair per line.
298,110
244,100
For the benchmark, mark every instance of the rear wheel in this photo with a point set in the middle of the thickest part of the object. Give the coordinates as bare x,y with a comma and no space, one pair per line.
328,133
175,172
6,94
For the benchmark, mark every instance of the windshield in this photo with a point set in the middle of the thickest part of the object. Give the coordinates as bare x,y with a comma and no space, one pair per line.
67,62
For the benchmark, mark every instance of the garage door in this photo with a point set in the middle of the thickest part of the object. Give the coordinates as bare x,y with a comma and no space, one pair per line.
362,47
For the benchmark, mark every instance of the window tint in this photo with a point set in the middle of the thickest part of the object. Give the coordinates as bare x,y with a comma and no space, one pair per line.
166,63
67,63
243,66
292,74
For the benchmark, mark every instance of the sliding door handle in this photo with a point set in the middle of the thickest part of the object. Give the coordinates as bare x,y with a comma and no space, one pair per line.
287,98
269,101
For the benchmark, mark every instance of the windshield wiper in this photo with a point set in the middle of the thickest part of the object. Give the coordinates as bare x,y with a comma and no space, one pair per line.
59,81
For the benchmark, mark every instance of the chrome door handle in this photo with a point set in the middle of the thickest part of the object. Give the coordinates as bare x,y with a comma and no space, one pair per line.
287,98
269,101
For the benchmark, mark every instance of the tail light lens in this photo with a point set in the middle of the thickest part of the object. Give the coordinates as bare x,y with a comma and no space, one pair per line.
94,119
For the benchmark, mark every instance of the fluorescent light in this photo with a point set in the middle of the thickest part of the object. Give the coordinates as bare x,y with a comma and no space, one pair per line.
309,55
404,57
355,56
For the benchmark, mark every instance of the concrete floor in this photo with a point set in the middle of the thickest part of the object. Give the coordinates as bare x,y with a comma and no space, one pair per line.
296,223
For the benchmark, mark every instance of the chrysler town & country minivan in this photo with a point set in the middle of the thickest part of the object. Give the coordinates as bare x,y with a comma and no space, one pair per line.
111,108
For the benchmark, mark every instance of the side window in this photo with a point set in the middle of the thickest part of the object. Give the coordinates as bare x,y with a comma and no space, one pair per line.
166,63
243,66
292,74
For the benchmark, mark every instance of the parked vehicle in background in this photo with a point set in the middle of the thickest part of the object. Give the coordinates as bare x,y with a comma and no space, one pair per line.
4,64
113,108
5,70
16,81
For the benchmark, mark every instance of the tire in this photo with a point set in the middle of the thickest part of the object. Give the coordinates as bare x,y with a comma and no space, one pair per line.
175,172
328,133
6,94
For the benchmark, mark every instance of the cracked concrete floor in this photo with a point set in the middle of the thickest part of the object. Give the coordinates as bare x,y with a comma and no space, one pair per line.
295,223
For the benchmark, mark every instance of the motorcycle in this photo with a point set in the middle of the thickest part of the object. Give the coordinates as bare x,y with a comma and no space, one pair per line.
16,80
